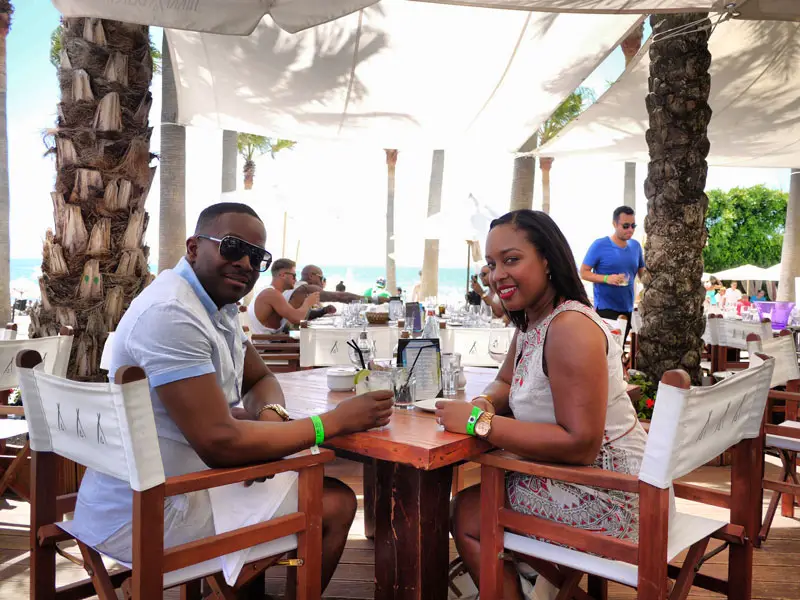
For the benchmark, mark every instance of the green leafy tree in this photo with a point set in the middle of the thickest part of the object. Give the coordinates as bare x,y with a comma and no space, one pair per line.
250,146
572,107
745,226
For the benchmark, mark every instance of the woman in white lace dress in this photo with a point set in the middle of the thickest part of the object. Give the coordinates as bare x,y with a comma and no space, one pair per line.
559,396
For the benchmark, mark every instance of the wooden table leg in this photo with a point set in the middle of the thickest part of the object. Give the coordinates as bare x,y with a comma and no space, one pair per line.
412,509
369,498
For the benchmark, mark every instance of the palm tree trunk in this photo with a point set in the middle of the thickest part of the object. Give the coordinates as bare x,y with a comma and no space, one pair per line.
545,164
630,46
790,254
391,268
172,210
249,173
522,183
95,261
429,287
229,155
672,300
5,201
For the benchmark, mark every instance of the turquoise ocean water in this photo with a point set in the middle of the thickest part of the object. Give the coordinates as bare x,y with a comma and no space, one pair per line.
452,282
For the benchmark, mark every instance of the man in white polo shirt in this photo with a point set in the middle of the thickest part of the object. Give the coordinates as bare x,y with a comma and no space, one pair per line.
184,332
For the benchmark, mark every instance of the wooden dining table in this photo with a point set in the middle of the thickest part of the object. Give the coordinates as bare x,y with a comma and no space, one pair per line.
413,462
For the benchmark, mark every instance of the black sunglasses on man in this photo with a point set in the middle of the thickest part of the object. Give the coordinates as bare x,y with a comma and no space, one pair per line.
232,249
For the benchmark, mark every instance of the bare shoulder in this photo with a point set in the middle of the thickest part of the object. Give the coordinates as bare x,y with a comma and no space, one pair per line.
571,326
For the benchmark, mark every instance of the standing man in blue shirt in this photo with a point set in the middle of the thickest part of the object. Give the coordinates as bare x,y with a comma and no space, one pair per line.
611,264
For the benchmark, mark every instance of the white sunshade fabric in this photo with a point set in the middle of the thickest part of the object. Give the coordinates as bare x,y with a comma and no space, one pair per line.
232,17
761,10
747,273
395,75
755,84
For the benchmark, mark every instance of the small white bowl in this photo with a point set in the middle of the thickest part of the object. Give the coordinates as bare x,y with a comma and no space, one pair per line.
340,379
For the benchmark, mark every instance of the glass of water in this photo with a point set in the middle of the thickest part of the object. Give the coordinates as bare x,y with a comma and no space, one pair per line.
449,375
403,388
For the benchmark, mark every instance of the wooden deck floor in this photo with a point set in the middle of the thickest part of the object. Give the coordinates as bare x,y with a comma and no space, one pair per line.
774,564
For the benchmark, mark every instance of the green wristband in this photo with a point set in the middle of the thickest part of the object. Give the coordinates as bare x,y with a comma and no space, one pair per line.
473,418
605,278
319,430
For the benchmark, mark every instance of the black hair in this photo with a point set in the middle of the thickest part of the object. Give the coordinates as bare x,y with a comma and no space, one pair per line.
210,213
622,210
281,265
543,233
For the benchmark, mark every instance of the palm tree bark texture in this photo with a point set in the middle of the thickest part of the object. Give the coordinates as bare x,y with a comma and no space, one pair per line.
94,261
677,104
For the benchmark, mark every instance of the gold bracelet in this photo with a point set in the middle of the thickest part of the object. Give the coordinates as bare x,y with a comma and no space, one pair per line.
276,408
484,396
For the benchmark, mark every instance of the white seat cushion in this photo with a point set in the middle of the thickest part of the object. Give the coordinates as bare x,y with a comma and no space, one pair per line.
274,548
12,427
784,443
684,530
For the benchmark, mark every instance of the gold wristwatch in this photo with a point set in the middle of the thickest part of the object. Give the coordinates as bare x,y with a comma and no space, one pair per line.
484,425
276,408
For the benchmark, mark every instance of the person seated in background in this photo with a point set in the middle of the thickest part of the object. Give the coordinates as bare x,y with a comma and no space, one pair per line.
416,291
553,400
760,296
377,292
311,283
340,287
733,295
271,312
482,293
216,404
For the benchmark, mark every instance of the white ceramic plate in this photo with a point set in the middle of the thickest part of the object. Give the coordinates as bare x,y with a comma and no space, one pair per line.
429,404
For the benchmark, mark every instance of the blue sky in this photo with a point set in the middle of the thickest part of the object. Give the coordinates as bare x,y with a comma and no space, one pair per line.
358,175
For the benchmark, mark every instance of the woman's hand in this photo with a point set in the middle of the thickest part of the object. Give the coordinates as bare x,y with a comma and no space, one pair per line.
483,404
453,415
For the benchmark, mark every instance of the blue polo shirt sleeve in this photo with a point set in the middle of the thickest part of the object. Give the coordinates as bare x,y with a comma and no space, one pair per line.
170,343
592,257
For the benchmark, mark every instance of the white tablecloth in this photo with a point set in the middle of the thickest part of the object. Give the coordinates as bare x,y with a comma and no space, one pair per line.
327,346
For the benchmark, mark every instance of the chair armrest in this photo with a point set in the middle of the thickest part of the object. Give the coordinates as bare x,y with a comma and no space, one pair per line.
787,432
203,480
789,396
592,476
12,410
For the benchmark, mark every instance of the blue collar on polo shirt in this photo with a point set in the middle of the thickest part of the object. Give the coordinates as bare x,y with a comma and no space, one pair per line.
184,269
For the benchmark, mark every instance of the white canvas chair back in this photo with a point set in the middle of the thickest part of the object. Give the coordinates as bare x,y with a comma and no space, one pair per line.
733,333
783,350
691,427
54,351
8,334
104,426
105,358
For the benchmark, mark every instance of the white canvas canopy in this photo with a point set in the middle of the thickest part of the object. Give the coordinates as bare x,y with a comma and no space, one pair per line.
387,77
745,273
232,17
240,17
755,84
761,10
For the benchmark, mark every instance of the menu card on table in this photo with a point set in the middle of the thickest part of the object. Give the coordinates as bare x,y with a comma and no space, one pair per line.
425,356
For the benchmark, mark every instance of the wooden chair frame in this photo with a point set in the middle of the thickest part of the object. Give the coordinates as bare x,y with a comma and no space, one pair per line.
278,348
150,559
9,474
785,492
650,553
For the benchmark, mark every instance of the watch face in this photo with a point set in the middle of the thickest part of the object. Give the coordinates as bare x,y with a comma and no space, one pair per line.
482,428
